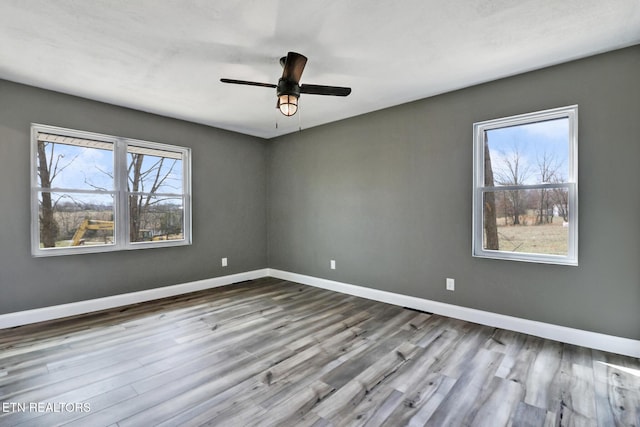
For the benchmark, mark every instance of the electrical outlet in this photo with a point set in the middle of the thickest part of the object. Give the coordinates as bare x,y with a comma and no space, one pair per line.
333,264
224,262
451,284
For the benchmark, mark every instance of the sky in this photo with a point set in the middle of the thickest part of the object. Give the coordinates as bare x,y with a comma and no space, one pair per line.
532,142
85,168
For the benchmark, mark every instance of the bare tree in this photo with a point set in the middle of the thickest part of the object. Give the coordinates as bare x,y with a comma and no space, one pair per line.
139,204
514,171
489,202
548,167
561,199
49,167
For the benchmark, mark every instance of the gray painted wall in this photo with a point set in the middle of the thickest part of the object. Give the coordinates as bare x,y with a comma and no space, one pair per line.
388,195
229,176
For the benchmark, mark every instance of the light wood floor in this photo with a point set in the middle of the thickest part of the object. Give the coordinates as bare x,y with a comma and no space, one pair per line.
270,352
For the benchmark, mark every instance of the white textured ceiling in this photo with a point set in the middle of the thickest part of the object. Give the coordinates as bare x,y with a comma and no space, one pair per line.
167,56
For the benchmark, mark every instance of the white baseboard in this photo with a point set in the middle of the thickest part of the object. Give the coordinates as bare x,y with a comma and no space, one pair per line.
64,310
579,337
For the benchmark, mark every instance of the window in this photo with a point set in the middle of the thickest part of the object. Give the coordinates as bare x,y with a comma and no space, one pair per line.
98,193
525,204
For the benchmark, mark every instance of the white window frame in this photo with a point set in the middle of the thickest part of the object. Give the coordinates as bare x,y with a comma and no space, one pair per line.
121,209
479,129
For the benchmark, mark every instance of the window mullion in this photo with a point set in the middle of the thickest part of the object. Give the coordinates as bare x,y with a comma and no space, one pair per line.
527,187
120,183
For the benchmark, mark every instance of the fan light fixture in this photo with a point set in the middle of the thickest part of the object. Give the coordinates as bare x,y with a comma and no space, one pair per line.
288,104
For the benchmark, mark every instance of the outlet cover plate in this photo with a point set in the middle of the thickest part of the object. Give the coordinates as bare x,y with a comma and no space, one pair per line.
451,284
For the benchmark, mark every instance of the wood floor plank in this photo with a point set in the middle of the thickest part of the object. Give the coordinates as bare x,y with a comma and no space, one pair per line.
579,394
616,397
418,412
540,387
286,412
466,349
425,363
393,336
220,403
270,352
374,408
153,406
518,354
528,416
464,400
354,390
46,390
500,405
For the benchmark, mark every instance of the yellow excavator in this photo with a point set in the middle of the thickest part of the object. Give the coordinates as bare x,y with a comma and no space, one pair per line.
90,224
98,224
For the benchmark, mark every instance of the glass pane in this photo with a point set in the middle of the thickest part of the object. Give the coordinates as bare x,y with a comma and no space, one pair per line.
154,170
531,221
532,153
74,163
77,219
155,218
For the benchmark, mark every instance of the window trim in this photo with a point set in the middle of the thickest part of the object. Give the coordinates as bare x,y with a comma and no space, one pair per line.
479,128
121,215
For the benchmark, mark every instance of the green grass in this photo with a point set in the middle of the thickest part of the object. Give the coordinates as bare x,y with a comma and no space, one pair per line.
551,239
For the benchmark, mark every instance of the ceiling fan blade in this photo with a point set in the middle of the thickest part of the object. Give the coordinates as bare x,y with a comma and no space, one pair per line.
245,82
325,90
293,66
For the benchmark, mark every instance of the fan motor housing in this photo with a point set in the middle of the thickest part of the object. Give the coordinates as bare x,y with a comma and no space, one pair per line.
287,87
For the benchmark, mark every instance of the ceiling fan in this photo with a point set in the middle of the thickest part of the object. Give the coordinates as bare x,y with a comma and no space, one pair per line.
289,88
